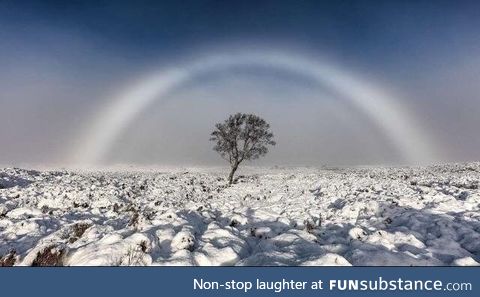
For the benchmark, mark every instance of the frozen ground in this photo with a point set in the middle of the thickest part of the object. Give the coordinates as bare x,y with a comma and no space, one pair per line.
278,216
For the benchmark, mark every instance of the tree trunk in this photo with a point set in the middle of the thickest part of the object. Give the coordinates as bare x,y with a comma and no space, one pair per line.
232,172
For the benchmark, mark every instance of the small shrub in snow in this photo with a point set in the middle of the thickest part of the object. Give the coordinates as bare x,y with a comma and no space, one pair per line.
49,256
143,246
134,219
134,256
82,205
116,208
234,223
77,231
309,226
8,259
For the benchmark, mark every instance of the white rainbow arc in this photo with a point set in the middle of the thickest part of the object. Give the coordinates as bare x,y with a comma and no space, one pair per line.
383,110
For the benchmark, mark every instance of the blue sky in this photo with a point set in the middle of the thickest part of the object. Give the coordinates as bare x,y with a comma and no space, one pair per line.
387,31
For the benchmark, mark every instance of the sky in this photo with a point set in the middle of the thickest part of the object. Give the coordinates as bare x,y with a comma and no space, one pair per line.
64,64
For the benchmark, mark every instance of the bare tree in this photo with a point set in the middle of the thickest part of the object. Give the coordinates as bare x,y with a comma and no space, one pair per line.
241,137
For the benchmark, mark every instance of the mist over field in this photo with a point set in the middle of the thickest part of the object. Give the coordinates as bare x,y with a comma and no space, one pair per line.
64,66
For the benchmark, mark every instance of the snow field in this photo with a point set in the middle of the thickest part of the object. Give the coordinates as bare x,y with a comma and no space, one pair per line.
271,216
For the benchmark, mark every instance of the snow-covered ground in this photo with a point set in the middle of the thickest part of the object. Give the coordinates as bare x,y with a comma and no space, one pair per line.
275,216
